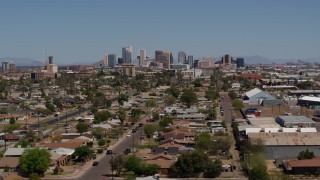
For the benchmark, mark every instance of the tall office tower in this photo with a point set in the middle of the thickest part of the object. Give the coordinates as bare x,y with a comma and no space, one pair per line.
120,61
5,65
105,59
50,59
190,61
182,57
240,62
196,63
143,56
127,54
164,57
12,65
226,59
171,58
112,60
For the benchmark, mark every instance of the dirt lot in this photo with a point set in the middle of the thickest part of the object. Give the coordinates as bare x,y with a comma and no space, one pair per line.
274,111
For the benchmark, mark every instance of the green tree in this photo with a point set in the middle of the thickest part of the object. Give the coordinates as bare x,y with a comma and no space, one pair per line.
188,97
306,155
214,169
232,94
101,116
23,143
203,141
170,100
98,133
101,142
197,83
173,91
149,129
50,106
165,121
35,161
34,176
82,127
236,103
84,152
192,163
11,127
122,115
212,95
136,113
150,169
150,103
117,163
155,116
130,176
134,164
12,120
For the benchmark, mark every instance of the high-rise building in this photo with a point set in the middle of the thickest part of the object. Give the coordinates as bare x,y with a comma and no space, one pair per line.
240,62
226,59
190,61
120,60
105,60
142,57
50,59
112,60
127,54
5,65
182,57
164,57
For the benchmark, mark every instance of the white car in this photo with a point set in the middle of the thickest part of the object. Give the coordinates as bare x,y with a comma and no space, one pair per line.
128,135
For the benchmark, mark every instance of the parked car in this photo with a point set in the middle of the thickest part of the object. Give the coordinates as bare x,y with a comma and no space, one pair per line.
140,124
95,163
127,151
109,151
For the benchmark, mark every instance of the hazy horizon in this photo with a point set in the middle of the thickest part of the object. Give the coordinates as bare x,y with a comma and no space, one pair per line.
83,31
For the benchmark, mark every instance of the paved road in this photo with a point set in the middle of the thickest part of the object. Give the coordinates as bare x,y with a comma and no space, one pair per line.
104,168
228,113
62,117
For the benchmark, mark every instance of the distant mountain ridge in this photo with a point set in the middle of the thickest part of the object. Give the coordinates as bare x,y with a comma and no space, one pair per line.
22,61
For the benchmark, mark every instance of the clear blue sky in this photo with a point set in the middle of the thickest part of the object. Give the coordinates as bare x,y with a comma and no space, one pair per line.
83,30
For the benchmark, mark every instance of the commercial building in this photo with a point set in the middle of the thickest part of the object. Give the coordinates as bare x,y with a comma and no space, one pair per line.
256,96
112,58
105,60
309,101
6,65
182,57
240,62
190,60
128,70
127,54
226,59
142,57
164,57
295,121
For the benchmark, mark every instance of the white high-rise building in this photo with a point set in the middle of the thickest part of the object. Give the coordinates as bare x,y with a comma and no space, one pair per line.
127,54
182,57
143,55
105,60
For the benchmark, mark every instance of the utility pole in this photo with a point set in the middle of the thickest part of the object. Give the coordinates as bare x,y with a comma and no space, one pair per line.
38,127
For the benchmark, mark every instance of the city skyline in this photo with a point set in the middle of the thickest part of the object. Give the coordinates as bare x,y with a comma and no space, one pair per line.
80,31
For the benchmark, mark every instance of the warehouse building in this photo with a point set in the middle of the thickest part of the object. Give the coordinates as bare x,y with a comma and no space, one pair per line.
295,121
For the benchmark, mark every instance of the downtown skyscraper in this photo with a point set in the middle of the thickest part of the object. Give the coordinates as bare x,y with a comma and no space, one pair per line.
182,57
127,54
142,57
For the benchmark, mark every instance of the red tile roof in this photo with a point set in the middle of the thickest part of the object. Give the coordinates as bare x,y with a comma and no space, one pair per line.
305,163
